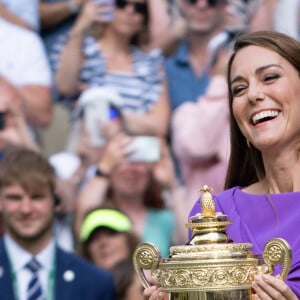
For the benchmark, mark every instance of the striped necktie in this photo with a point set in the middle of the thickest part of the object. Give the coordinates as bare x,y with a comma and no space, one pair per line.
34,289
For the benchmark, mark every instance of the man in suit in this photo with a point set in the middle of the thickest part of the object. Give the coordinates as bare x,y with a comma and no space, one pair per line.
32,266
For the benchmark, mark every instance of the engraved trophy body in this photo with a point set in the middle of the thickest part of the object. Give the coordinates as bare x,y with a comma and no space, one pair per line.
210,266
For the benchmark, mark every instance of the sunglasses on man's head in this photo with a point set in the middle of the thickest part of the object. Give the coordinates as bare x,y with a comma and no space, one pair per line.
139,7
211,3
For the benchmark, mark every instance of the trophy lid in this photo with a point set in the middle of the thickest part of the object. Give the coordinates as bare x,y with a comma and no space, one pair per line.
209,238
208,226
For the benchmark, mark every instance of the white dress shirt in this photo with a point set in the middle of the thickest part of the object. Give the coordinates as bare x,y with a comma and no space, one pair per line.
19,257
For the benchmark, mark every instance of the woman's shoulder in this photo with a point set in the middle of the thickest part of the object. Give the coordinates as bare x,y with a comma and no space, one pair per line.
223,199
228,193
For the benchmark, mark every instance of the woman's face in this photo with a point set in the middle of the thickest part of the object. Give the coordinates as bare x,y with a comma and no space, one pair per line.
131,179
266,98
108,247
129,16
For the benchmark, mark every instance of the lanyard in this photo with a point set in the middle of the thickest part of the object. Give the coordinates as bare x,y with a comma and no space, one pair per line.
50,286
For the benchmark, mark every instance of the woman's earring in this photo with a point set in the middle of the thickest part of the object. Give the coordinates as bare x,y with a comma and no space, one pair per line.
248,143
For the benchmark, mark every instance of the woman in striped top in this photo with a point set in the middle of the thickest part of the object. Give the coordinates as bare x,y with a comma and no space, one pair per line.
111,53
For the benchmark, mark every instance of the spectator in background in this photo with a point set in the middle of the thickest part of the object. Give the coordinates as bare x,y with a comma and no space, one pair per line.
57,18
107,240
186,69
27,203
200,139
106,237
23,13
198,94
166,25
13,126
106,53
25,69
135,188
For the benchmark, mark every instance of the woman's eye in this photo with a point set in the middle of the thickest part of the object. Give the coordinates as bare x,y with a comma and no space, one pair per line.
237,90
270,77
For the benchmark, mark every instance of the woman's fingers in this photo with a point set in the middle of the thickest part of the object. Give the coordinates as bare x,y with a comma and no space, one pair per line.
270,287
153,293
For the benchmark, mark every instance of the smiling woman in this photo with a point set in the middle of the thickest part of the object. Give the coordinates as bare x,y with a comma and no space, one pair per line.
263,182
271,82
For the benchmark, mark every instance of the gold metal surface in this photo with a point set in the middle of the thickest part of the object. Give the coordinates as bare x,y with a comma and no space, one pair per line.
210,266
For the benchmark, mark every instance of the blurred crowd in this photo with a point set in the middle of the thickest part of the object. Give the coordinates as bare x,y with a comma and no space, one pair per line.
127,99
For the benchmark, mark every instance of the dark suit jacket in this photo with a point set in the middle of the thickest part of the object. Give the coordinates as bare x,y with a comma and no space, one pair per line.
75,278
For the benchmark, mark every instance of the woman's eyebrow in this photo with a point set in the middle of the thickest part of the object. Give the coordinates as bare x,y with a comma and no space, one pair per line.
257,71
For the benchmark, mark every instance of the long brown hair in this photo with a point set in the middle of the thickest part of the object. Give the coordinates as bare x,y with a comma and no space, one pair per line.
245,162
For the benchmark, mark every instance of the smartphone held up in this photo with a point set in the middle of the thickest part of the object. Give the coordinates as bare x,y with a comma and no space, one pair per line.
144,149
109,6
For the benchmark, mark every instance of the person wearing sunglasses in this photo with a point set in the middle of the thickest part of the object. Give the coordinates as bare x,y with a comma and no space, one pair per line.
106,48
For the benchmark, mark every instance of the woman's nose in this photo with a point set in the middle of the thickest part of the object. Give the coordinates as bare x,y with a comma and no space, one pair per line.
255,93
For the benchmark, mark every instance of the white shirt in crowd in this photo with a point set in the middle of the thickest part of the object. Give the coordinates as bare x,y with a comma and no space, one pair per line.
23,57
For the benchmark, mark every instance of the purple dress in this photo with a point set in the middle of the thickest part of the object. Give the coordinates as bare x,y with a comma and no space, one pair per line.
258,218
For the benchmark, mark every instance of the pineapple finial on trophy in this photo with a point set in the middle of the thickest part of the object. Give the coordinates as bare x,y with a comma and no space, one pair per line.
208,206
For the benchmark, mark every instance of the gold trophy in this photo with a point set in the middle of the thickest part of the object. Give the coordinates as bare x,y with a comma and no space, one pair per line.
210,266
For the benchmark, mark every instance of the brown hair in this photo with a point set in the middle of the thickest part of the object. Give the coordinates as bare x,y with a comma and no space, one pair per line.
28,168
245,163
139,39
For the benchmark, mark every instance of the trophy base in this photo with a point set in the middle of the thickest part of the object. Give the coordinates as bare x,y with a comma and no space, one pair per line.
212,295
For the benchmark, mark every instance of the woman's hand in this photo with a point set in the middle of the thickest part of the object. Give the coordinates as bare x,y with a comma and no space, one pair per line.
154,293
115,152
269,287
93,12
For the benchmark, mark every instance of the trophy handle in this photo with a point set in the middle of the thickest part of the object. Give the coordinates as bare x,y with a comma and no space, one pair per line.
145,257
278,252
